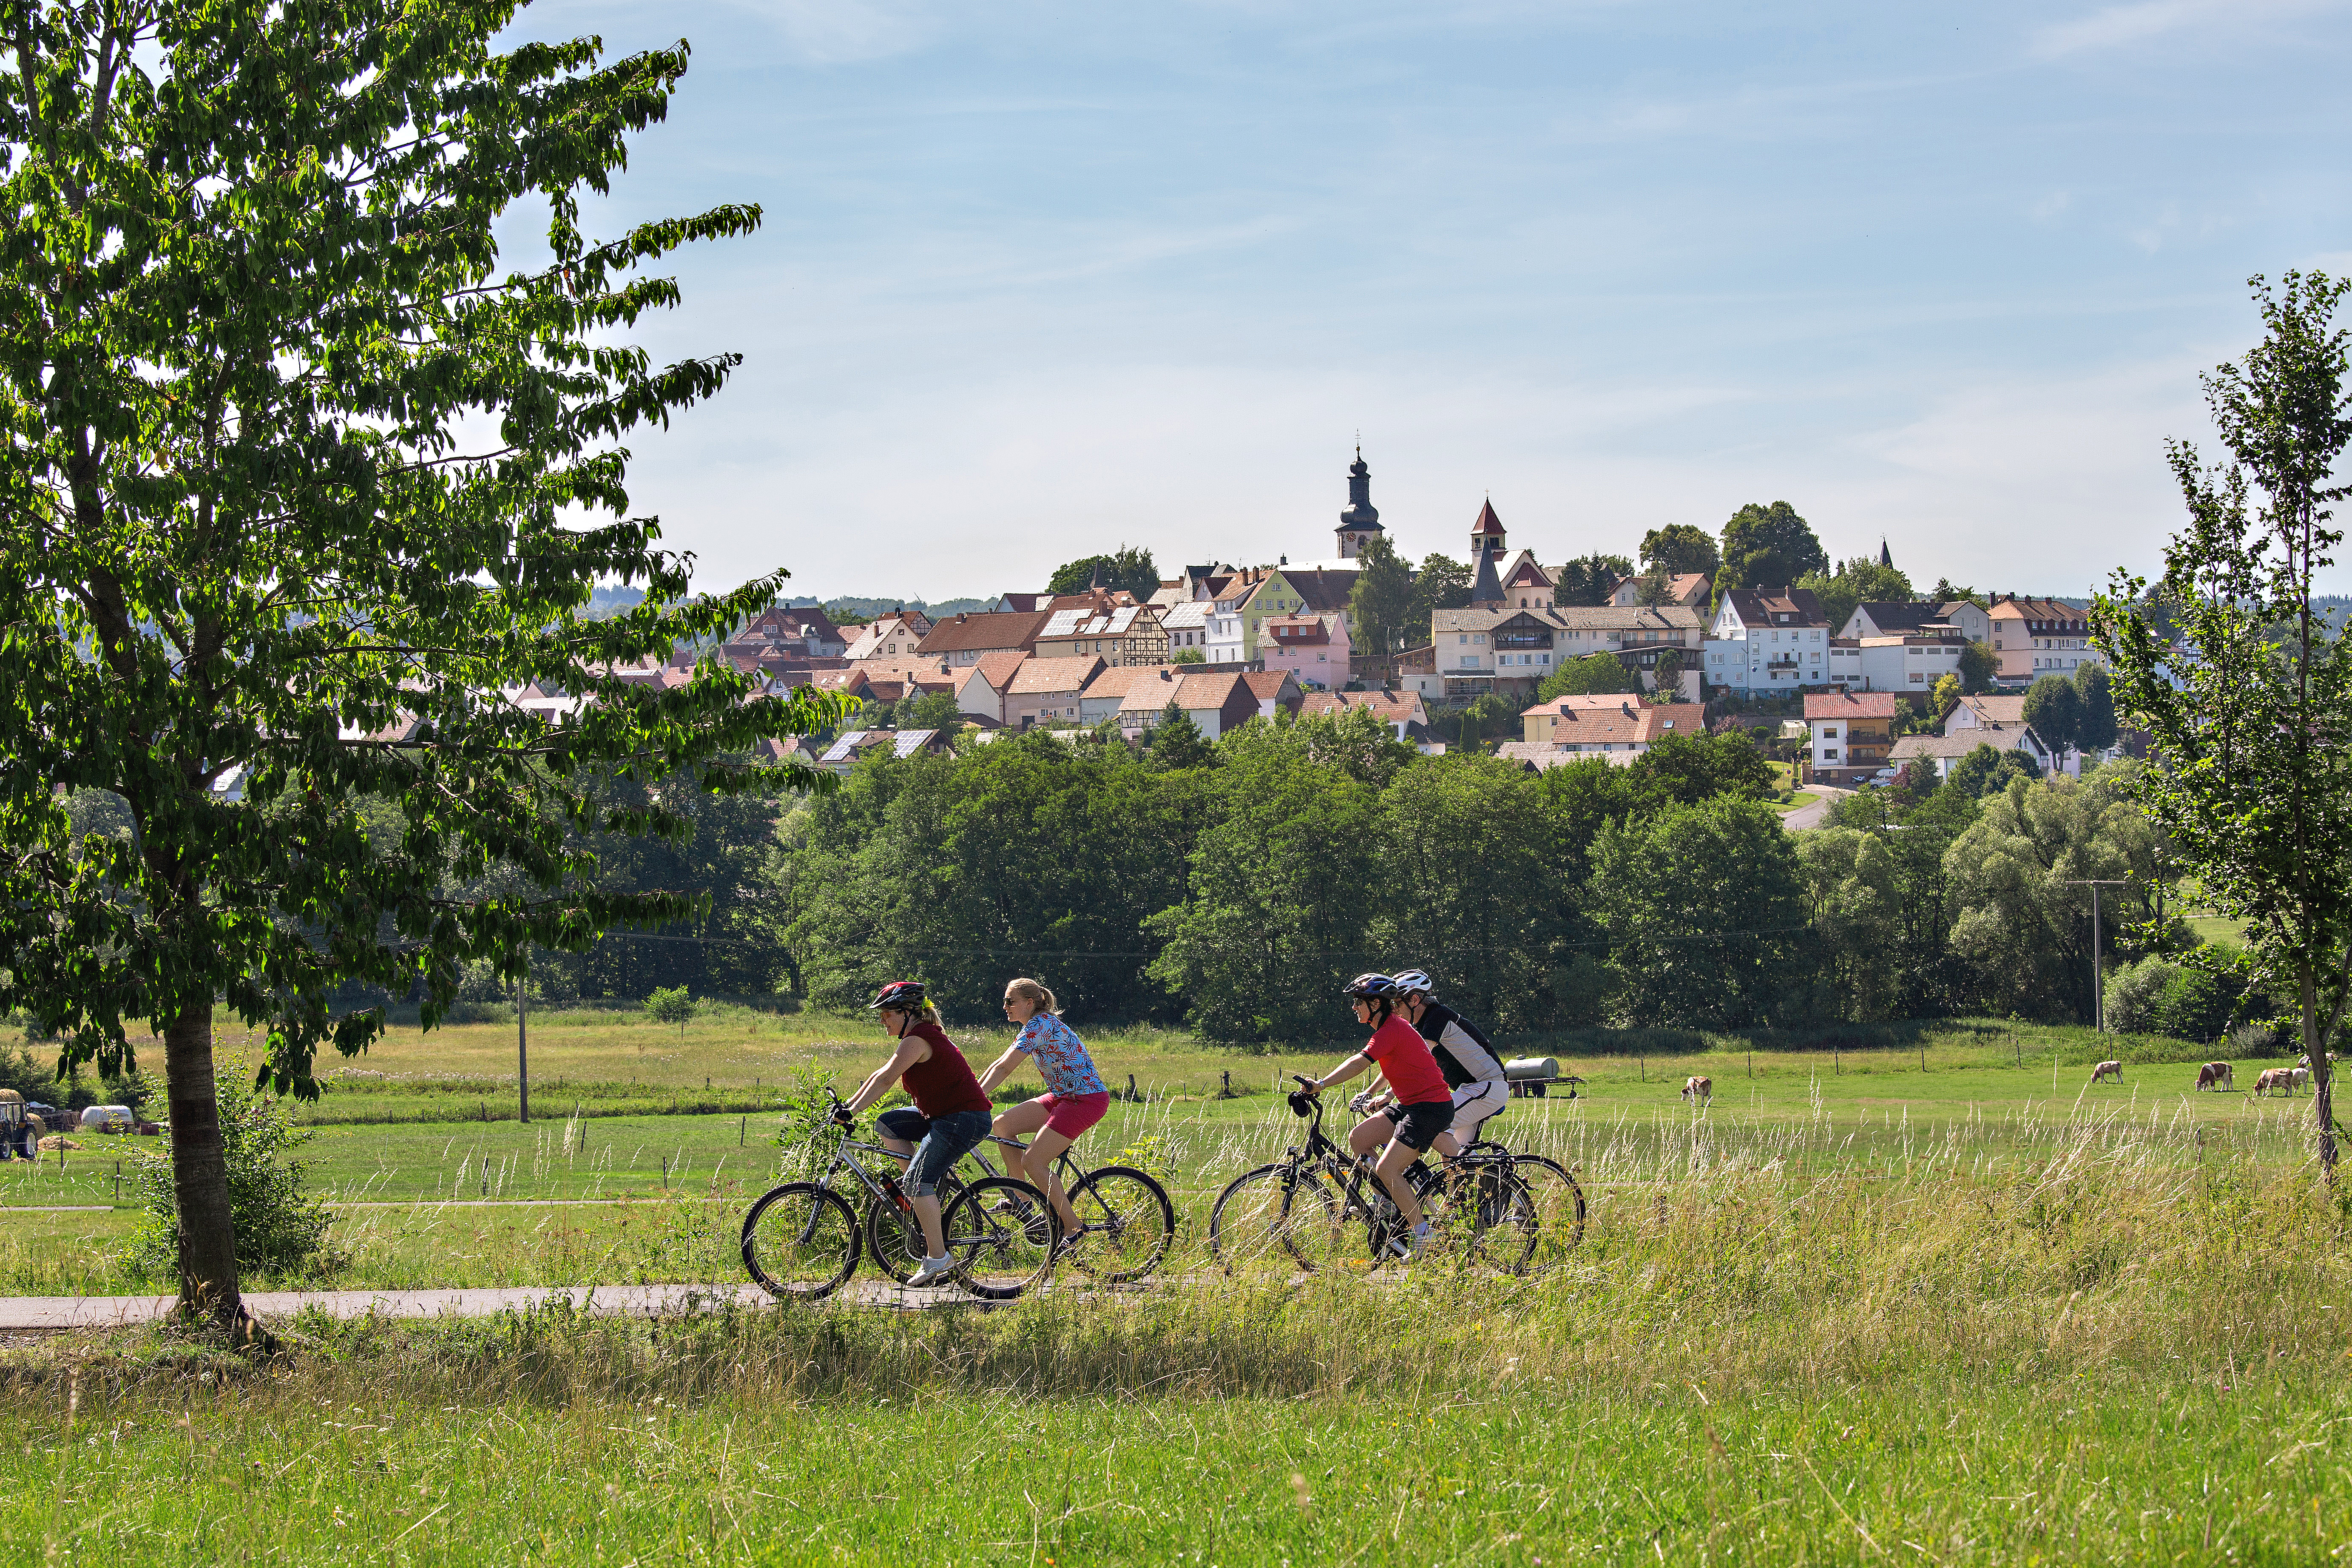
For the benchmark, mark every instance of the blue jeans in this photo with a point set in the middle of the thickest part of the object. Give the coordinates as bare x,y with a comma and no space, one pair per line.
938,1144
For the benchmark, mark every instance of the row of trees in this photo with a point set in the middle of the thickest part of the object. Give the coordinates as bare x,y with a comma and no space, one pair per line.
1235,886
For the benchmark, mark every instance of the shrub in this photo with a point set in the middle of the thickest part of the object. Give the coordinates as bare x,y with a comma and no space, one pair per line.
2133,991
671,1005
281,1229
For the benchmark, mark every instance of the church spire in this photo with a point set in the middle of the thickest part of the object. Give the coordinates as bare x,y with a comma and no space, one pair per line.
1886,558
1360,520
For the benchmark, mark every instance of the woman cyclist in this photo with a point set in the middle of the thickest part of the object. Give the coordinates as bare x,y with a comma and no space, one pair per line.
1424,1105
1074,1100
947,1122
1472,1068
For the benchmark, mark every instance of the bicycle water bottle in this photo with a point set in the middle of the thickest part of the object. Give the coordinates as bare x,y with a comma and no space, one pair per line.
898,1195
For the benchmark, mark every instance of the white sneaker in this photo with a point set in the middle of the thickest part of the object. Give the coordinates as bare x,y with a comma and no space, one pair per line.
1419,1239
931,1270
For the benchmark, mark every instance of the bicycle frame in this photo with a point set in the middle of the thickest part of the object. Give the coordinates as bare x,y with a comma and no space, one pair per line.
1345,1168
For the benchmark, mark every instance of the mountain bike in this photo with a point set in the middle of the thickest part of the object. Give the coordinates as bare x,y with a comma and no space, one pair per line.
1126,1221
1287,1210
801,1241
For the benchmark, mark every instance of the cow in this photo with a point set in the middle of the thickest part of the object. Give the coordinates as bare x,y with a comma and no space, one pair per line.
2271,1079
2215,1075
2108,1068
2297,1078
1699,1090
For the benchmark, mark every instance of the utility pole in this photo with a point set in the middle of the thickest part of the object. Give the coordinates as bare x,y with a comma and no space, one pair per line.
522,1035
2098,974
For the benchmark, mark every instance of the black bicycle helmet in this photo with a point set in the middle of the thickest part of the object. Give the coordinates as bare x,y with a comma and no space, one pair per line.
900,995
1412,980
1372,988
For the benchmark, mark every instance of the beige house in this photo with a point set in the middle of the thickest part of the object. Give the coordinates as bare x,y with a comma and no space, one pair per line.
1046,690
2034,637
1608,724
966,638
889,637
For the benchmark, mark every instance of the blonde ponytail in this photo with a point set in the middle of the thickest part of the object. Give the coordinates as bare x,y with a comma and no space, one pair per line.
1034,992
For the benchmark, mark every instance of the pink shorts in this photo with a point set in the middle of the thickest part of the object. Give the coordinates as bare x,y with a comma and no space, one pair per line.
1073,1115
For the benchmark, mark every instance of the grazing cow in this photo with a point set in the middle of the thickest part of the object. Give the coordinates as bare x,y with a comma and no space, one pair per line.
2106,1069
2215,1075
2271,1079
1699,1090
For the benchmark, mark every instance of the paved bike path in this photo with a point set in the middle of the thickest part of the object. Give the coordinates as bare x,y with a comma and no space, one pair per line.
59,1314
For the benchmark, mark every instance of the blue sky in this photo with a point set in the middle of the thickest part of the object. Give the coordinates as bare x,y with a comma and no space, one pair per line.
1038,279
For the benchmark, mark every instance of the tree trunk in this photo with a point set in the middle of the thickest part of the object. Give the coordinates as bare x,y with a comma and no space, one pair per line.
208,1286
2323,1082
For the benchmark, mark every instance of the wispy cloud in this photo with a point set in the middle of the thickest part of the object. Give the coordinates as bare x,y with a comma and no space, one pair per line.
2114,26
843,32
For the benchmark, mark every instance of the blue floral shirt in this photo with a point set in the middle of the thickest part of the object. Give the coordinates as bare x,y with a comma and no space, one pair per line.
1061,1056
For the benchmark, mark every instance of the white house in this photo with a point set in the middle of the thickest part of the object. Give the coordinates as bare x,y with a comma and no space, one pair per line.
1761,642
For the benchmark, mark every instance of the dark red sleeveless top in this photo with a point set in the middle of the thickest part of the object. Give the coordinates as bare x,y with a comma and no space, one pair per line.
942,1083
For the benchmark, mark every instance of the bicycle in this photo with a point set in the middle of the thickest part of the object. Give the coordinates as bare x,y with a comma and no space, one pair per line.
1557,1197
1286,1207
1555,1194
802,1242
1126,1220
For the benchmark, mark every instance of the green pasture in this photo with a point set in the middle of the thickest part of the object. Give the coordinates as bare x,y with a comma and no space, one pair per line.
2102,1357
627,1199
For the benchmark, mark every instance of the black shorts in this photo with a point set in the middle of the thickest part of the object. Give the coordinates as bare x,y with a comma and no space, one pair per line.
1418,1125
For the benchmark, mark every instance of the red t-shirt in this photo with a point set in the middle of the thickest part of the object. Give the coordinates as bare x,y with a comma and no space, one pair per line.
942,1083
1403,1057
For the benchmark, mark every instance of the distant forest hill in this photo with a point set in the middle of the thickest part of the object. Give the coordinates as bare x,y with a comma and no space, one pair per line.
612,599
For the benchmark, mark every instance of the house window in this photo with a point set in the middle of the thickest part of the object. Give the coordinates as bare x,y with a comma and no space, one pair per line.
1917,678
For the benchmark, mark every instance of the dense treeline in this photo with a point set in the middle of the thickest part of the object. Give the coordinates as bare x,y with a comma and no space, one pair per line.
1237,892
1231,886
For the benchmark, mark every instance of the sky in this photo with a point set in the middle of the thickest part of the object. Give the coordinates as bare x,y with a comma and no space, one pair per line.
1035,280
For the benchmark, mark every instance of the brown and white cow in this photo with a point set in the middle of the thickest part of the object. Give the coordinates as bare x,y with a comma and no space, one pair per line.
1699,1090
2108,1069
2270,1078
2215,1075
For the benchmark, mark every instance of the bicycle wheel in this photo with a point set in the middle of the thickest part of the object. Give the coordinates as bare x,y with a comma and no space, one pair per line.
1250,1225
1129,1224
800,1242
895,1238
1559,1204
1004,1232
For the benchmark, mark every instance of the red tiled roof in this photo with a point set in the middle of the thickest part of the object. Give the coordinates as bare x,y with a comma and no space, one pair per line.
999,666
1488,521
987,630
1036,676
1850,705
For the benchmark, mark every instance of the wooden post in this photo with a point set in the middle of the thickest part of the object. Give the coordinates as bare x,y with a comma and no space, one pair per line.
742,1132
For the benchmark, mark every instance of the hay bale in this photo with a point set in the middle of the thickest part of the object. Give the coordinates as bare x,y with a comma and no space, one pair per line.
57,1141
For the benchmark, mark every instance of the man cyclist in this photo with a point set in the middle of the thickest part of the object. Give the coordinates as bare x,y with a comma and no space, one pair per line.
1424,1105
1472,1066
947,1122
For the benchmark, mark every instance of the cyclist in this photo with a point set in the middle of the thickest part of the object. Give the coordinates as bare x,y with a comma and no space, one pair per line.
1472,1068
1424,1105
1074,1100
947,1122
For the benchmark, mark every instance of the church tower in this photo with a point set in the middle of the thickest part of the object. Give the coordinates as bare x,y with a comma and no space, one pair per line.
1360,520
1486,533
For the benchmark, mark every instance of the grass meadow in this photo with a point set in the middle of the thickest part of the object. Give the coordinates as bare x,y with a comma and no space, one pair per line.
1908,1301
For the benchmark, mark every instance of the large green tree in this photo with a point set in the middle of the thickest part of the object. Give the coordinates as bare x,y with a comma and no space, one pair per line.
2054,711
1127,567
2250,710
1705,910
1859,580
1589,580
1380,606
1591,674
1680,548
2018,881
301,481
1768,547
1442,584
